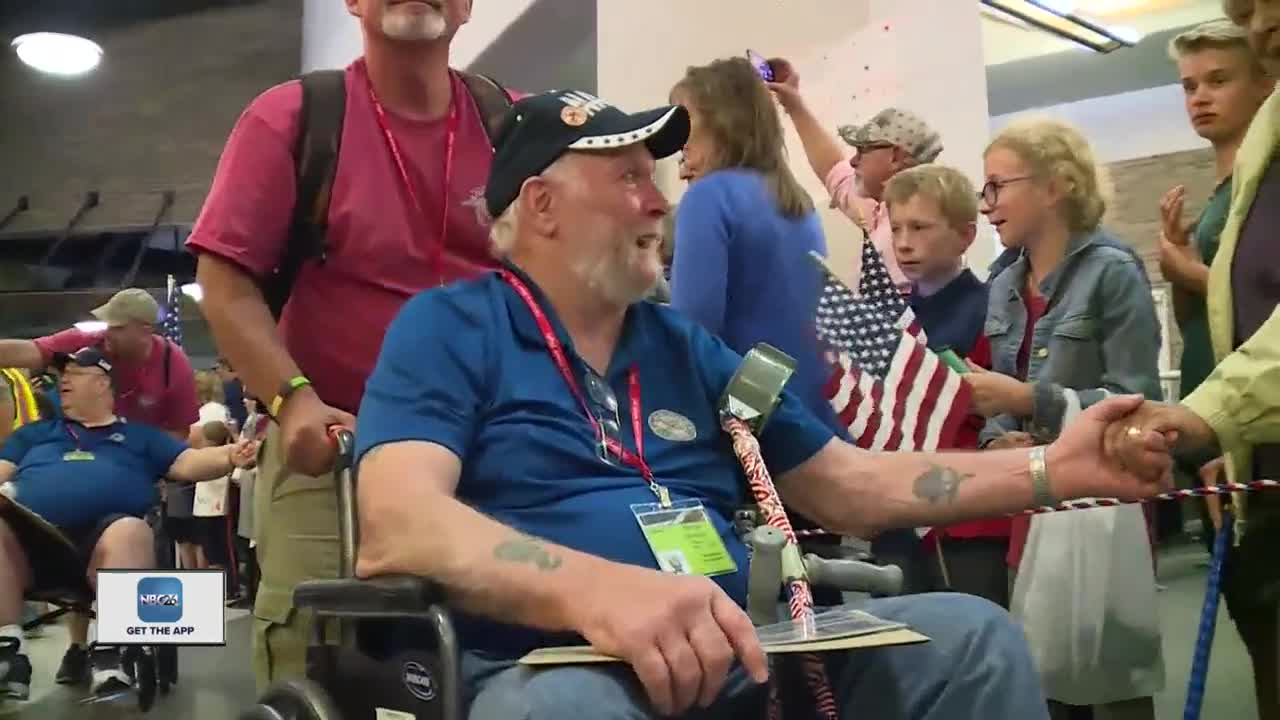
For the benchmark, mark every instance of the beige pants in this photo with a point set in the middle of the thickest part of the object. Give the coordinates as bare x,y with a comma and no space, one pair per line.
296,519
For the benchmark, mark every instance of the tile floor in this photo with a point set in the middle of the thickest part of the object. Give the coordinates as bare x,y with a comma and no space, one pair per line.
216,683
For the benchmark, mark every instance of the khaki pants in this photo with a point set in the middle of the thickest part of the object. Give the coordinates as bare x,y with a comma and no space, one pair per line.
296,519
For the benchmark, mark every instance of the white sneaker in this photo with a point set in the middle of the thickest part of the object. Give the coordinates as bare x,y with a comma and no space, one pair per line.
108,676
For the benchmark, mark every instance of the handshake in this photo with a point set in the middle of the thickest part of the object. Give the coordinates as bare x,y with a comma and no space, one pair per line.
1121,447
1128,440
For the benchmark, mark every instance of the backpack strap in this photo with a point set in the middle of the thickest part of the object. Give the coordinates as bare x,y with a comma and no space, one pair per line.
315,156
491,98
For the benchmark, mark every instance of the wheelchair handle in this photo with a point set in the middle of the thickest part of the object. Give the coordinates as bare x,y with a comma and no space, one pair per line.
764,578
345,485
344,441
854,575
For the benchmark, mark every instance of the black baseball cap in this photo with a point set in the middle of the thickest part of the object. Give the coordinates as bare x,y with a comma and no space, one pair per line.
89,357
538,129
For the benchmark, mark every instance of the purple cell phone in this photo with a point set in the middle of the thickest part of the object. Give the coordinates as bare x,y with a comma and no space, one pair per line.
761,65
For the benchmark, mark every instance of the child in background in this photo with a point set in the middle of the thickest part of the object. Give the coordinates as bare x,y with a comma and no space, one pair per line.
933,212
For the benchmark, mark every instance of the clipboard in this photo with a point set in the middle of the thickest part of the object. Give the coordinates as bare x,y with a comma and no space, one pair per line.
40,536
837,629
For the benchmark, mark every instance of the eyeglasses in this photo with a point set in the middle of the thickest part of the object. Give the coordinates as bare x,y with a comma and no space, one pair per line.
605,411
864,149
990,193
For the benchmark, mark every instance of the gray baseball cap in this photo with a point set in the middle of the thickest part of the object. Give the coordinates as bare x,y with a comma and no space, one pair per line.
898,127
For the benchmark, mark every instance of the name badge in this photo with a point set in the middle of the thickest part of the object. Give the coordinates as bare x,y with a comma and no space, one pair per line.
683,540
77,456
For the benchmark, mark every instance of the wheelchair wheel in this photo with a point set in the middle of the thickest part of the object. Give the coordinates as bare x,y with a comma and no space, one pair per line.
139,663
166,668
297,699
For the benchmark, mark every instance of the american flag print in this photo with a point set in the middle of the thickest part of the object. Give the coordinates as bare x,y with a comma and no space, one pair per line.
888,388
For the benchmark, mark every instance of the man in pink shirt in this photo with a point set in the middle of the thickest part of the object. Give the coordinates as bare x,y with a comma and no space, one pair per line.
154,384
892,141
406,213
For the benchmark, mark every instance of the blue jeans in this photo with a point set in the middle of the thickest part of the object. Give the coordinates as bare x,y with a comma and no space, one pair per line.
976,665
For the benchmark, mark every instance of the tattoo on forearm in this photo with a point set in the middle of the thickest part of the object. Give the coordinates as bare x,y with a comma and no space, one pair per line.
527,550
939,484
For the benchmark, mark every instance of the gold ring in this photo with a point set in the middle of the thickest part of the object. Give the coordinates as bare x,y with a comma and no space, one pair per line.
1133,431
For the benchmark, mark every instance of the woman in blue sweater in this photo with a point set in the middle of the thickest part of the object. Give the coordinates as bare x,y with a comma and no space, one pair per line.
745,227
743,233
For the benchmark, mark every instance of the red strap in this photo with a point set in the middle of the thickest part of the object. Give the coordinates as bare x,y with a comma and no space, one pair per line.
633,459
437,255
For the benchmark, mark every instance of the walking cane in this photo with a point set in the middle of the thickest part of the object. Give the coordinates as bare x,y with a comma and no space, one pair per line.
1208,622
748,401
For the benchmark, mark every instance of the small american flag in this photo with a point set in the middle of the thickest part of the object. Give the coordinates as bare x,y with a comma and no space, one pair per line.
888,388
876,288
171,323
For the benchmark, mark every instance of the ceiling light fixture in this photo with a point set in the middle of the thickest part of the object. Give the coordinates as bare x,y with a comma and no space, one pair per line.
1058,17
58,53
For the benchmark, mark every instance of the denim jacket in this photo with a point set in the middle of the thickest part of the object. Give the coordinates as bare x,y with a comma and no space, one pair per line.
1099,335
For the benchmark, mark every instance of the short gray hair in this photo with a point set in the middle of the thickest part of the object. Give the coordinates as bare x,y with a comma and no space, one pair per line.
505,228
502,234
1216,34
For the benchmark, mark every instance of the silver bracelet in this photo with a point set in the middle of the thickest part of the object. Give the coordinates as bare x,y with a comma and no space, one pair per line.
1041,493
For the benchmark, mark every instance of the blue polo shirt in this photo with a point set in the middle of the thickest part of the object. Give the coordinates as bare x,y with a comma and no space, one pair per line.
120,476
466,367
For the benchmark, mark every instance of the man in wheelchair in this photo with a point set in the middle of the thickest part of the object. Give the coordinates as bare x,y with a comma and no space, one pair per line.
73,492
518,427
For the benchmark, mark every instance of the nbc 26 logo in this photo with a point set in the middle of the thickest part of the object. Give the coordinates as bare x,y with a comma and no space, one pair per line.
159,599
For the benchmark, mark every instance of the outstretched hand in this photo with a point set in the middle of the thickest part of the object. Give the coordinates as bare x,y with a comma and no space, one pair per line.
1083,462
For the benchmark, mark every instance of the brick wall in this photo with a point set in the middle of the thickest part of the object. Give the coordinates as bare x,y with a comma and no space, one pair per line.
154,115
1134,213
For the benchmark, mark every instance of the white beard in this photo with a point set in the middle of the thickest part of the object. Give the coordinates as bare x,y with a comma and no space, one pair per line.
406,24
611,278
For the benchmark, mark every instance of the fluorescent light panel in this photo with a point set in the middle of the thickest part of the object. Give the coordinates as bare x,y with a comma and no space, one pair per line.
1056,17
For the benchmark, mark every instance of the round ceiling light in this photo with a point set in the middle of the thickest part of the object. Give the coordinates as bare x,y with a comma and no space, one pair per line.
58,53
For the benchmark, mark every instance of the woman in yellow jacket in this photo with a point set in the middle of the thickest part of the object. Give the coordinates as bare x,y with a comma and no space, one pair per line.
1237,409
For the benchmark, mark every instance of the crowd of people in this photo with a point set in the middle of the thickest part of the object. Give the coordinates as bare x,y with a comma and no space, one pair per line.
515,399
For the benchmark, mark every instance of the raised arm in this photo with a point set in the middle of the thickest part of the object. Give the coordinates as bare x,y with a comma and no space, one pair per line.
20,354
821,148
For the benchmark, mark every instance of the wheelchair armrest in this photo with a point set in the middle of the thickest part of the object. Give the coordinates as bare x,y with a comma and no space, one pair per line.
389,596
854,576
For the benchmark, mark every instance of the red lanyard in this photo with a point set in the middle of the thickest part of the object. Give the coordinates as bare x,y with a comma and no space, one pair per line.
75,436
437,260
634,459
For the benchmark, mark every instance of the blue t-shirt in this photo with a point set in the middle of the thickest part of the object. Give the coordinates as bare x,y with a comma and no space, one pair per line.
466,367
742,270
119,475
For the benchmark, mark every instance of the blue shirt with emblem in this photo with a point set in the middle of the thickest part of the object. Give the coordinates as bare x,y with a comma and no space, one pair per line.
466,367
73,476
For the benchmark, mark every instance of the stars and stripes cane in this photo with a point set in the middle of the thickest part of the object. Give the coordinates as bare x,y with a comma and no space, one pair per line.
800,598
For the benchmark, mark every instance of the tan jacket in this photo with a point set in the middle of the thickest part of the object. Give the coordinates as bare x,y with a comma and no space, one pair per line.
1241,398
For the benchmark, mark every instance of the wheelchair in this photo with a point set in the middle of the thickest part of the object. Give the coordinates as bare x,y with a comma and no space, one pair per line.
345,680
152,670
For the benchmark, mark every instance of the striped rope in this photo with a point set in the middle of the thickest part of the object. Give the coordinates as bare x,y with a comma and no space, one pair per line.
800,598
1208,623
1222,489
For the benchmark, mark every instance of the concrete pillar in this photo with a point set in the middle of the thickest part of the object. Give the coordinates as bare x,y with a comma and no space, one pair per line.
855,58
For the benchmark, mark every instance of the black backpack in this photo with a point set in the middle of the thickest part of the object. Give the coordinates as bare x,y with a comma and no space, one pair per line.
315,156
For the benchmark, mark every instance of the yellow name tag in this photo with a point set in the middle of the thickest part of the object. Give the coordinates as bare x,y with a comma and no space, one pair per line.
77,456
683,540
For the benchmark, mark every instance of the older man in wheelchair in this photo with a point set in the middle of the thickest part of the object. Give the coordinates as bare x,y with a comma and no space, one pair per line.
73,494
519,429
